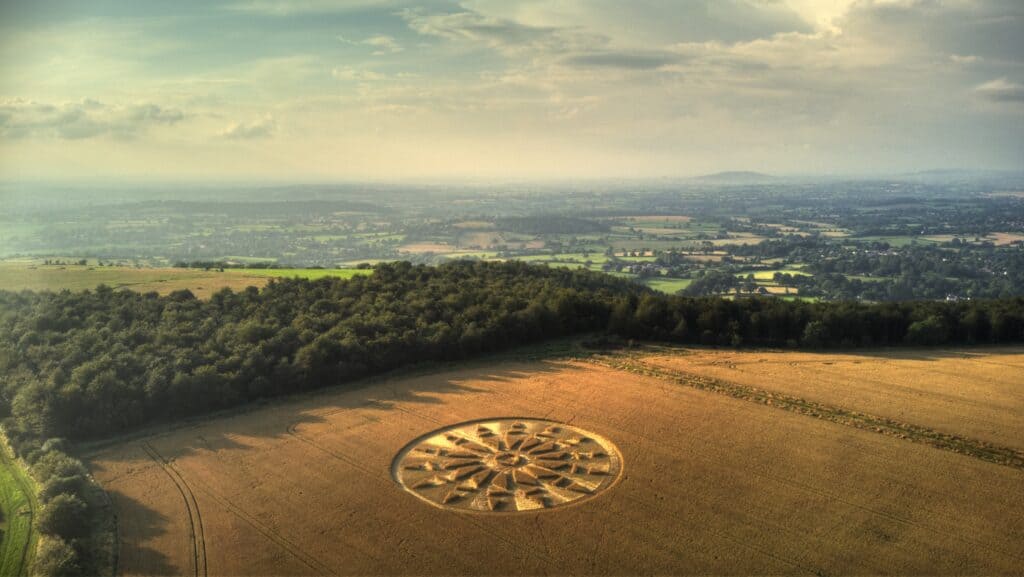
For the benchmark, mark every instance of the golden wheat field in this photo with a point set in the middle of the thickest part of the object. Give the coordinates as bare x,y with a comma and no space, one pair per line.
651,461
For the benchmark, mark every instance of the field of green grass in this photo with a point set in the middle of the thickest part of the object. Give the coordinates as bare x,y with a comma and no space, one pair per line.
668,285
308,273
17,504
897,241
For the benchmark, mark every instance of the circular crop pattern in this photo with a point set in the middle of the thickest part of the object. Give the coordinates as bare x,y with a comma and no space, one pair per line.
507,465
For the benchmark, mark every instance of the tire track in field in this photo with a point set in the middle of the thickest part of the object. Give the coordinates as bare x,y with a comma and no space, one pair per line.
268,532
195,519
961,445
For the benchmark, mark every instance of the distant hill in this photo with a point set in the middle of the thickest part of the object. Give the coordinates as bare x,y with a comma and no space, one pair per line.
735,177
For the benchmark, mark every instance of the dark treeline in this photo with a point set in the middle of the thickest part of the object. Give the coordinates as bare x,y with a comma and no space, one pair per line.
89,364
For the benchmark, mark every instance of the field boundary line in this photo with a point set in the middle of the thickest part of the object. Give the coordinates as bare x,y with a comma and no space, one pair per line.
953,443
195,520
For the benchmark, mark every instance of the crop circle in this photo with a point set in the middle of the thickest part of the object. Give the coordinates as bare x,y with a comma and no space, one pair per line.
507,465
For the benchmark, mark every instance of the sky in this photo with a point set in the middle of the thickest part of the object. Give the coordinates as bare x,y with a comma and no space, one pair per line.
388,90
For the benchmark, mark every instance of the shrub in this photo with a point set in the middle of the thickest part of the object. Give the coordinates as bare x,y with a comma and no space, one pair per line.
56,464
54,486
65,516
56,559
930,331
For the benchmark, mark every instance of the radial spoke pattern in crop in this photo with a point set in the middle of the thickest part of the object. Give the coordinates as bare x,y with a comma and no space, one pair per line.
507,465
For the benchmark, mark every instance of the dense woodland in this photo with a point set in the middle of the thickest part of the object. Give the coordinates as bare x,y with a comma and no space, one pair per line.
96,363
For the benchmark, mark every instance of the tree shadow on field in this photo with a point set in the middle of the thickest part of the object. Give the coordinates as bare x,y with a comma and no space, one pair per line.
140,524
236,430
239,440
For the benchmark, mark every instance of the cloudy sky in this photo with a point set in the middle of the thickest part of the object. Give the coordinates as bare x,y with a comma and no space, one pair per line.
392,90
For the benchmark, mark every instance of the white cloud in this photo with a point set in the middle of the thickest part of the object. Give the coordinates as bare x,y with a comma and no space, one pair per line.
1001,90
503,34
262,128
961,59
384,44
86,118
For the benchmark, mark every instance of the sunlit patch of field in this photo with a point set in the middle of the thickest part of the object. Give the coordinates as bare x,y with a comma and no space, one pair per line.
739,238
16,276
977,394
668,285
714,481
1005,238
425,247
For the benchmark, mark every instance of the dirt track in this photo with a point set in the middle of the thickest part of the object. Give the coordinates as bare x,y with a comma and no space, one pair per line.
710,484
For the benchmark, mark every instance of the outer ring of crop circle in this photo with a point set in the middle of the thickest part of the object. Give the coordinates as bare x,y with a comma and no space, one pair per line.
604,441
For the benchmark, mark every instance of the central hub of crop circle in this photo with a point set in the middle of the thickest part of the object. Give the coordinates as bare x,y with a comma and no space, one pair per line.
507,465
510,460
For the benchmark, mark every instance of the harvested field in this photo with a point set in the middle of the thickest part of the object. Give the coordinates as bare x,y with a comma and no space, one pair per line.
978,395
1005,238
17,276
425,247
710,483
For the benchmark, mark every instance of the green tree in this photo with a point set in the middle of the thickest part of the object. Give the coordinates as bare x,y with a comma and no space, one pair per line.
65,516
55,558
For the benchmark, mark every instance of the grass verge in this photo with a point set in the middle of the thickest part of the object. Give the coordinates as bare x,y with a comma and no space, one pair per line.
18,505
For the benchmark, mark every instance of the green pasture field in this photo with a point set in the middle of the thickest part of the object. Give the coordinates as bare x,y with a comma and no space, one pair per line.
618,245
897,241
667,285
307,273
18,505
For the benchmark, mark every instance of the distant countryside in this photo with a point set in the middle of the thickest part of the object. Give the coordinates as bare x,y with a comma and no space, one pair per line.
913,238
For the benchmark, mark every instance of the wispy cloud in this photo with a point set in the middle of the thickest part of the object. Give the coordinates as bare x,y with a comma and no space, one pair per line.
1001,90
384,44
262,128
502,34
87,118
381,43
629,60
293,7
